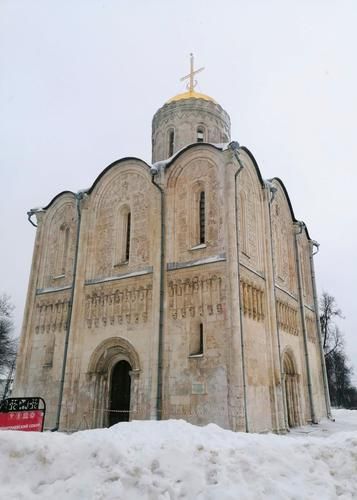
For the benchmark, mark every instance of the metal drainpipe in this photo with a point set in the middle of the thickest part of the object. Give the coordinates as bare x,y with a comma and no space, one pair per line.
161,306
318,329
273,191
30,214
302,313
79,196
234,146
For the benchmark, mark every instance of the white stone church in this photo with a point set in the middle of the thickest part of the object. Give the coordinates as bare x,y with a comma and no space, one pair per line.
181,289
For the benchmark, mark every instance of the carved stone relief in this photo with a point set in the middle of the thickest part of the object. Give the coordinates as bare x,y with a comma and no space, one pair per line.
51,315
285,269
117,305
287,318
129,189
252,296
201,296
249,222
311,328
200,172
60,236
51,319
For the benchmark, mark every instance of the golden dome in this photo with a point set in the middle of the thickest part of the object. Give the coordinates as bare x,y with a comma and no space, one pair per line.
190,94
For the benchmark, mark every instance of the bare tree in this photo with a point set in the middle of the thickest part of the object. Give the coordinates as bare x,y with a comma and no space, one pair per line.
8,344
332,338
342,393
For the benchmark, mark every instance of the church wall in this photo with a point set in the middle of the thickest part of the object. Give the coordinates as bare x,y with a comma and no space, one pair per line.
254,294
291,339
317,381
195,171
283,244
114,297
314,352
293,346
39,363
119,309
196,382
196,385
257,351
126,188
288,304
60,226
25,345
261,352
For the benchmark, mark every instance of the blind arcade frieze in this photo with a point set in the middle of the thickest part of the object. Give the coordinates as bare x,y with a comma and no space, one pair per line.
196,296
109,306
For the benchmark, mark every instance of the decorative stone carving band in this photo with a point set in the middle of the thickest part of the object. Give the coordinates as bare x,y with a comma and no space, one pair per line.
197,296
116,306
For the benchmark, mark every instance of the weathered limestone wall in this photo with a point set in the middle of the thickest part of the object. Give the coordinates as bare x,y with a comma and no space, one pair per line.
196,385
40,354
115,307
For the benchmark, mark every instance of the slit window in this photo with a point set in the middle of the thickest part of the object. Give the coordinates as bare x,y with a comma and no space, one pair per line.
171,142
243,224
197,342
127,236
202,217
200,134
65,250
62,251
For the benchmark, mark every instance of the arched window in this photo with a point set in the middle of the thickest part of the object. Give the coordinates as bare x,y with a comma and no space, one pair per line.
200,134
171,139
196,341
202,217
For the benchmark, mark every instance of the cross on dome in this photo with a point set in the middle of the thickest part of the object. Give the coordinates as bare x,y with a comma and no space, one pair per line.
192,83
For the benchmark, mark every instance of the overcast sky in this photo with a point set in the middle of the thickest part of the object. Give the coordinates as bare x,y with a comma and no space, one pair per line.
81,80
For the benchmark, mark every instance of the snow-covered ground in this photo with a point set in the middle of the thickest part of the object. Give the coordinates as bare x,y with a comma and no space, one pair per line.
175,460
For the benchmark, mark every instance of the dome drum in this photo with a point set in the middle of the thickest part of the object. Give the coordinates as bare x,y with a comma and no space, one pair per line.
186,119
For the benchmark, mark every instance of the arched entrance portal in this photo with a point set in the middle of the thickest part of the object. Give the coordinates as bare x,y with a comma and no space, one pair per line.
119,404
114,378
291,391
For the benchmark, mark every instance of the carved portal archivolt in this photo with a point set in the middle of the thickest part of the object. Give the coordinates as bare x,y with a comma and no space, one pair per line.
100,371
291,390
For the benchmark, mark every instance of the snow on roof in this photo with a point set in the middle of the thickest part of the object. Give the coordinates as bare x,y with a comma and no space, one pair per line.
162,164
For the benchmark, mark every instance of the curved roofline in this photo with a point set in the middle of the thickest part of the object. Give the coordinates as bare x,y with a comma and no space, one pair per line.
183,150
285,191
254,161
218,148
116,162
56,197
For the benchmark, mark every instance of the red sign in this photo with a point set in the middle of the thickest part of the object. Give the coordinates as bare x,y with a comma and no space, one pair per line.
22,420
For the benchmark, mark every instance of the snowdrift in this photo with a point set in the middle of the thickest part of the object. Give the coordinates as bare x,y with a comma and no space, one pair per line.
175,460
